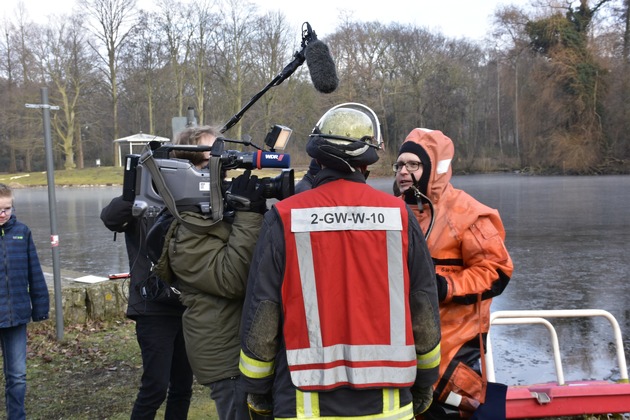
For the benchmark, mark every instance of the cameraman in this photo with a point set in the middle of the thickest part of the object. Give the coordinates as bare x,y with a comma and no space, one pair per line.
211,272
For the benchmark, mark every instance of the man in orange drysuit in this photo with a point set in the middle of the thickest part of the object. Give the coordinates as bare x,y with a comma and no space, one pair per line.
466,241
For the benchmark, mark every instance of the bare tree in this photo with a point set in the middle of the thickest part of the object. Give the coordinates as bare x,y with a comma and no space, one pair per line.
232,47
111,22
626,30
204,21
23,82
63,60
512,43
175,20
271,52
144,59
8,92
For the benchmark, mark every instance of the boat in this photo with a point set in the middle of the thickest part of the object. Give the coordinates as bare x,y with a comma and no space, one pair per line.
562,398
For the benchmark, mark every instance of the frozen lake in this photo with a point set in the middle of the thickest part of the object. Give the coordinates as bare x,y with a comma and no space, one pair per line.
568,237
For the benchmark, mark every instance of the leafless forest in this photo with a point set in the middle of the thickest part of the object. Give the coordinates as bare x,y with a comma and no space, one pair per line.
547,91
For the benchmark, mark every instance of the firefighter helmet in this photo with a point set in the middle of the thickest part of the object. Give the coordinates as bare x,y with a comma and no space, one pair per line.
347,136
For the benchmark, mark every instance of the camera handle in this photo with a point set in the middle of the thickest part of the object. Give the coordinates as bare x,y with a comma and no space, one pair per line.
216,198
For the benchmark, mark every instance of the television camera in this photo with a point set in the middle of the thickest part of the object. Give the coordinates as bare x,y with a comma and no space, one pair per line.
155,178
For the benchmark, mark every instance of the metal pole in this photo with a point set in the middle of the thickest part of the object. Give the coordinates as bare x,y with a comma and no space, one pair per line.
52,206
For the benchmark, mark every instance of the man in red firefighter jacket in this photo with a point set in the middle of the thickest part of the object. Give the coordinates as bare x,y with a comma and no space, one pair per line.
466,241
341,311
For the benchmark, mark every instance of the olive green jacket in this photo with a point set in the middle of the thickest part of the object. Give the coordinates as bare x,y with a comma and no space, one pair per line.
211,273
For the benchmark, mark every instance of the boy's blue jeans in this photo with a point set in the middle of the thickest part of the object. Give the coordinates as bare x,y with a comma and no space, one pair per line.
13,340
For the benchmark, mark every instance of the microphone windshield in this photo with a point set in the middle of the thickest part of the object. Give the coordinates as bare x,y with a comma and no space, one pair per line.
321,66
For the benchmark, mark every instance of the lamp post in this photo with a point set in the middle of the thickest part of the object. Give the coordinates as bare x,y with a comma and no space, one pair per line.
52,208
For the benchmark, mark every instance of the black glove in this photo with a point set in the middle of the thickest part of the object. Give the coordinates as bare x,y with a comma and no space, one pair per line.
260,404
245,195
442,287
422,398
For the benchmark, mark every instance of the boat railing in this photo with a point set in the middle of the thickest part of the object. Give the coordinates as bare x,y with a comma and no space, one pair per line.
539,317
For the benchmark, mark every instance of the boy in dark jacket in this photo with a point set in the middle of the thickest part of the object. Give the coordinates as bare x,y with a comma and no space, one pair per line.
23,296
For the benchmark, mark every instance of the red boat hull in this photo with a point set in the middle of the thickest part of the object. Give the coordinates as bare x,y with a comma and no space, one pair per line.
571,399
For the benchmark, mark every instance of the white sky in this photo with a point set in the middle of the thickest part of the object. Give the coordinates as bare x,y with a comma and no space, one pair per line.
454,18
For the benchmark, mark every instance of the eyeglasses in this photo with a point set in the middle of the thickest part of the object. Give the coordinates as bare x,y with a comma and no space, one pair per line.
6,211
411,166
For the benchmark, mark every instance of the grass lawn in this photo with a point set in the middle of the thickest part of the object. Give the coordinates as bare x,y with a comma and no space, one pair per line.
104,175
93,373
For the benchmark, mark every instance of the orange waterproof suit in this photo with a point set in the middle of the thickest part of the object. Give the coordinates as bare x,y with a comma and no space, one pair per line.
467,246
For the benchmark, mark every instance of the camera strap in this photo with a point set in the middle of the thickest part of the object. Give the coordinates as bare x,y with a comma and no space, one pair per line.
216,194
216,197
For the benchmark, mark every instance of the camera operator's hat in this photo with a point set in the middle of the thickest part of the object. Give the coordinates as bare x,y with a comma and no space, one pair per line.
346,137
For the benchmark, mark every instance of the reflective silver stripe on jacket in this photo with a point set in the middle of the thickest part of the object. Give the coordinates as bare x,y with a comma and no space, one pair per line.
381,374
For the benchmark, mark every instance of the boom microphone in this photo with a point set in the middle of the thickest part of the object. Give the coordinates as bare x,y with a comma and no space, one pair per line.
321,66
